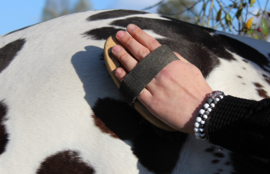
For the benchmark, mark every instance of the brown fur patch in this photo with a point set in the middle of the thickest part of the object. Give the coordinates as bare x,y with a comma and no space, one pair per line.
258,85
3,134
262,93
245,60
99,123
66,162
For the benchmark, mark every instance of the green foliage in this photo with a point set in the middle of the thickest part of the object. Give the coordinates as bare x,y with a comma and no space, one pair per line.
264,27
228,19
251,2
218,15
56,8
234,16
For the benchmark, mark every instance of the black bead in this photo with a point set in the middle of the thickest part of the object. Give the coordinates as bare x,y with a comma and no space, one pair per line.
201,131
209,100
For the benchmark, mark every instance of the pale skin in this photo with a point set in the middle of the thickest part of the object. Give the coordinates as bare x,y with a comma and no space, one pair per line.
178,91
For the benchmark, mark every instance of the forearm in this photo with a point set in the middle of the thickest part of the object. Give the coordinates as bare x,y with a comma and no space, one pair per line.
242,126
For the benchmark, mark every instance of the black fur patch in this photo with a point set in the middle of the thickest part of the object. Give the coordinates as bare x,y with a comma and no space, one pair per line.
156,149
9,51
101,33
246,52
215,161
210,149
192,42
3,133
113,14
219,155
66,162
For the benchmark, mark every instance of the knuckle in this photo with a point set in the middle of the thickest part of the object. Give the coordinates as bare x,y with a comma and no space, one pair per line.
123,56
138,33
154,43
129,40
142,53
164,74
142,94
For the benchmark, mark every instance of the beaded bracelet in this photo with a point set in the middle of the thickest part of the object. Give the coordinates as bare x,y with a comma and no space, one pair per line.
211,102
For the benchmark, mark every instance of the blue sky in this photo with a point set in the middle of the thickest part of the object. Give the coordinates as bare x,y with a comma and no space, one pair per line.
16,14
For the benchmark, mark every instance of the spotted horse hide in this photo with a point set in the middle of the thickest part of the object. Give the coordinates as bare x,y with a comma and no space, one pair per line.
60,111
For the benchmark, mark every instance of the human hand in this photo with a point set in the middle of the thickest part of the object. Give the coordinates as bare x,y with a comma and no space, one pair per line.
178,91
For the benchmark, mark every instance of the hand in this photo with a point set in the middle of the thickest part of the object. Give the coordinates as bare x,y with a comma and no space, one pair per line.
177,92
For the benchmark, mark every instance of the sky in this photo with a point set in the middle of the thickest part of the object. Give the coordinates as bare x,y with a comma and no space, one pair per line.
16,14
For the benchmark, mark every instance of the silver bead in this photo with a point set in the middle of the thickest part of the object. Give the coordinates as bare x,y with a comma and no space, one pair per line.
197,124
212,105
198,119
205,116
196,129
217,99
206,105
221,97
201,111
209,109
202,122
201,129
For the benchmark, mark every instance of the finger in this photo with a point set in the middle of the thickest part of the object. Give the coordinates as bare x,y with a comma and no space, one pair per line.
180,57
144,96
136,49
142,37
123,56
120,74
127,61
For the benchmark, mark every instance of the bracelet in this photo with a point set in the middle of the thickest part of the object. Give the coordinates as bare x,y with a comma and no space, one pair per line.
199,126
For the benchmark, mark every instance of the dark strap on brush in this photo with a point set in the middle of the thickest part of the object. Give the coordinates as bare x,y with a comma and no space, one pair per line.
145,71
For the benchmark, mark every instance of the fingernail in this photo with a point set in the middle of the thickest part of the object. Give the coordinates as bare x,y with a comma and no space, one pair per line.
131,26
120,34
118,71
116,48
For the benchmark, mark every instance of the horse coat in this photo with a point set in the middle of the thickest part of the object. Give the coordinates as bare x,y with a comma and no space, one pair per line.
60,111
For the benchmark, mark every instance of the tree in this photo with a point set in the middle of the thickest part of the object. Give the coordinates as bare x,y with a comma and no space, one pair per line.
234,16
56,8
177,9
82,5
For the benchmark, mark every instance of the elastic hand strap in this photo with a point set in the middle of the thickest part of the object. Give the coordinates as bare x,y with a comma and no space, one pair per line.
145,71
